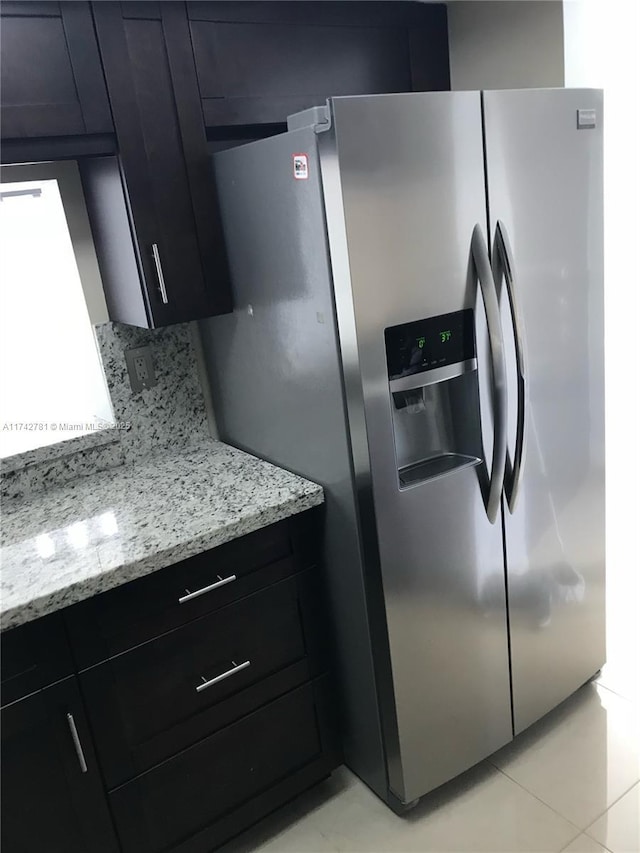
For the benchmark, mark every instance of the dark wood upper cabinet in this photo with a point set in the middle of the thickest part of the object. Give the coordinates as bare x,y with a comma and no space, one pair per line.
52,81
160,188
259,62
163,76
52,794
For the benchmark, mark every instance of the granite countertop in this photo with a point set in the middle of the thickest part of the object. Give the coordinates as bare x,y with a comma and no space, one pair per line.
66,544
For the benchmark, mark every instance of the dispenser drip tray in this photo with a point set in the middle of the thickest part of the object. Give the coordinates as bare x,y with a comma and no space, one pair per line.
434,466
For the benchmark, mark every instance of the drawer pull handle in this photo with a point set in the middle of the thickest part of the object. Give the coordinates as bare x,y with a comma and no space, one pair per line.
220,582
75,737
237,667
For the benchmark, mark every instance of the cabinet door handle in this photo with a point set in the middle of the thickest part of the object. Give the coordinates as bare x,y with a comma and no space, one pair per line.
76,742
220,582
163,288
237,667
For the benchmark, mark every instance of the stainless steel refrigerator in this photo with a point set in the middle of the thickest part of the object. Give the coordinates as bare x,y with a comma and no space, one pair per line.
418,326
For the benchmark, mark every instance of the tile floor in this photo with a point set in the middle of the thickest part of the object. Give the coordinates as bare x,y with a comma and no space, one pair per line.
570,783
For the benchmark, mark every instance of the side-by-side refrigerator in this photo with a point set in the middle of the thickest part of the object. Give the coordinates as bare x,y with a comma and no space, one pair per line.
418,326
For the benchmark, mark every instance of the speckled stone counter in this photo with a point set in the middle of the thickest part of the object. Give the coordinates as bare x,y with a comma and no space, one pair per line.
97,532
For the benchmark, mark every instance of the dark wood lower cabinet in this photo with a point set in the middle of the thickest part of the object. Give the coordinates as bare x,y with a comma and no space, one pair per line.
206,715
51,801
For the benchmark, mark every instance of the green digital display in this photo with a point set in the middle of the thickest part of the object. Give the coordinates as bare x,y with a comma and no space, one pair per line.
430,343
445,335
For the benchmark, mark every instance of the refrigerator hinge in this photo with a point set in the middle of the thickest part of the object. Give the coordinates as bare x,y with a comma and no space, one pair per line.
317,118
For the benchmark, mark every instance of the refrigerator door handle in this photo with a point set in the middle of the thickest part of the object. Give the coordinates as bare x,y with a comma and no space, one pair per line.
503,265
480,255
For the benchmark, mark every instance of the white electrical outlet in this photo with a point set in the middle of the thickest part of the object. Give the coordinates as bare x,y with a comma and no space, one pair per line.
140,367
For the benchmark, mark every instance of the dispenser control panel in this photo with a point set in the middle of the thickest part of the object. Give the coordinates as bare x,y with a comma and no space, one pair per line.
430,343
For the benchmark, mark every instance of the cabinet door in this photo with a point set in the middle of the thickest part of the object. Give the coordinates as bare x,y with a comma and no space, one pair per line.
33,656
259,62
164,165
52,82
52,795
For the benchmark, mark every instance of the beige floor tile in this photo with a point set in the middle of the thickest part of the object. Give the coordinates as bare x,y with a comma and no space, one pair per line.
622,678
621,673
619,827
580,758
292,829
584,844
485,812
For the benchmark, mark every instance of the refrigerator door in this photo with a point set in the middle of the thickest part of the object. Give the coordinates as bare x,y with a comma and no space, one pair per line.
544,174
404,192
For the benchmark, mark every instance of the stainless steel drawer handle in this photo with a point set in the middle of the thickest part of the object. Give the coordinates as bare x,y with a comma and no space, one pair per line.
237,667
220,582
163,288
76,742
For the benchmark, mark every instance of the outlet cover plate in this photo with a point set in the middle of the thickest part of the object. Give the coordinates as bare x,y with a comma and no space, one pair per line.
144,378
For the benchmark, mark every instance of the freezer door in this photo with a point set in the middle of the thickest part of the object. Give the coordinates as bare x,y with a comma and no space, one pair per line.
404,193
544,170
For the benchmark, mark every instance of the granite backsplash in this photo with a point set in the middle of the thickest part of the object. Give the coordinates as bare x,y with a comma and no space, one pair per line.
171,414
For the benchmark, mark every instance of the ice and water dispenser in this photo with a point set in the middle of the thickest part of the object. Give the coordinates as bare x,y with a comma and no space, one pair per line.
432,371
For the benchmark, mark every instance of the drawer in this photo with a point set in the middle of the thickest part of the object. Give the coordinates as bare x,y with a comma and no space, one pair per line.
120,619
180,804
148,703
33,656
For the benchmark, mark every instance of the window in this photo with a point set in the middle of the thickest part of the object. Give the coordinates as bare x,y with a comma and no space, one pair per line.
52,386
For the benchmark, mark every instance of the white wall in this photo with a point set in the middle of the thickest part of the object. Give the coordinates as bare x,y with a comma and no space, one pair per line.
508,44
601,50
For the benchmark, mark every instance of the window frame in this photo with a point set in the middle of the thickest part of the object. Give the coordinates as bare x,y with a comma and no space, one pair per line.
67,175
